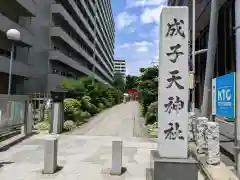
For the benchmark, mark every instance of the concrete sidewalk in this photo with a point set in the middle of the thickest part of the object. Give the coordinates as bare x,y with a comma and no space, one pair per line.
85,153
213,172
82,157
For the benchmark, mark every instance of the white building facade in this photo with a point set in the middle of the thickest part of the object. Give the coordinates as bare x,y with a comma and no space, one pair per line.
120,66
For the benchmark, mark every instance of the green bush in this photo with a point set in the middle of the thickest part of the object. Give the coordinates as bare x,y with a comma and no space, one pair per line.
71,106
85,99
151,115
69,125
81,116
44,125
106,102
148,93
101,106
88,106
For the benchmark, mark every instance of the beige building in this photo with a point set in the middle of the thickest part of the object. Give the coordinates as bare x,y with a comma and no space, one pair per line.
120,66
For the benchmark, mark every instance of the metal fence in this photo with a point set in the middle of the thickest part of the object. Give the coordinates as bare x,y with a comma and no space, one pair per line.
13,110
41,103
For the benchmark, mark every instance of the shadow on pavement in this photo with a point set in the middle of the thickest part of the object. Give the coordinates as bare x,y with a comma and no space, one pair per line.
15,141
5,163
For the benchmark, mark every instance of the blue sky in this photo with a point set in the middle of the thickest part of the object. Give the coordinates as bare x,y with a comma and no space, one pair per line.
136,36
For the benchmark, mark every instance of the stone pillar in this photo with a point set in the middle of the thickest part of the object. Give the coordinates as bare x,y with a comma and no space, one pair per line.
50,155
116,158
201,134
26,129
57,118
213,152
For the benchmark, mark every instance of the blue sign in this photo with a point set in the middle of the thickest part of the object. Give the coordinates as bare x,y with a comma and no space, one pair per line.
224,91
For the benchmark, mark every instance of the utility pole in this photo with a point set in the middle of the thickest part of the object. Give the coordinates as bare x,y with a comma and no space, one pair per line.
212,45
193,52
237,110
94,41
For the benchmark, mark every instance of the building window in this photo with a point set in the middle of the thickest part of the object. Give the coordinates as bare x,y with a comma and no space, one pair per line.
226,46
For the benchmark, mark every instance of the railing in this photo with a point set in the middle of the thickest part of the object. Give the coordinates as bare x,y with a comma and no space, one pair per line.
40,102
12,111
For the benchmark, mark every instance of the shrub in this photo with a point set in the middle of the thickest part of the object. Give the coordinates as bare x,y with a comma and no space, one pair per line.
71,106
151,115
80,116
85,98
44,125
101,106
88,106
69,125
105,102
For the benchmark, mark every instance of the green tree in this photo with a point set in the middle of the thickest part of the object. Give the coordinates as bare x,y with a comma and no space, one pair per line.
131,82
119,82
148,89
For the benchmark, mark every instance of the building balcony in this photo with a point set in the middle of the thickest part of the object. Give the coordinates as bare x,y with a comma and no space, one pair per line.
59,56
26,36
25,8
58,9
58,32
29,6
54,80
18,67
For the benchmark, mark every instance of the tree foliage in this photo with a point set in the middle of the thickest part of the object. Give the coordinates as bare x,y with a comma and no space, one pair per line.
85,99
148,91
119,82
131,82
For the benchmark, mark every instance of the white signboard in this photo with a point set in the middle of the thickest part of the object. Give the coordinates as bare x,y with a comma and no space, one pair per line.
173,83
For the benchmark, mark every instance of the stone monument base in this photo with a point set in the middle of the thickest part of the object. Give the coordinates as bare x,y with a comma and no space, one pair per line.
174,169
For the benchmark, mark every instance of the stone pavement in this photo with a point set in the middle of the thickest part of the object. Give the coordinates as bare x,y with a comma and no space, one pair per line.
84,157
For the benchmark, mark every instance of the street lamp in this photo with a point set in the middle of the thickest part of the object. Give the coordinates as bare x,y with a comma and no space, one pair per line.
13,35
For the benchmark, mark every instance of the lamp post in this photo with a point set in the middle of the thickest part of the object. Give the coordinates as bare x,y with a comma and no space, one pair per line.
94,42
13,35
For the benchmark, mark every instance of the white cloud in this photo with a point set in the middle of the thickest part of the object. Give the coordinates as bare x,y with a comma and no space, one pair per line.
142,3
142,46
151,15
137,54
125,20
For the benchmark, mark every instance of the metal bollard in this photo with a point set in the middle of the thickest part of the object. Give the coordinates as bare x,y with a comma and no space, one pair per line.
201,135
213,152
116,158
50,155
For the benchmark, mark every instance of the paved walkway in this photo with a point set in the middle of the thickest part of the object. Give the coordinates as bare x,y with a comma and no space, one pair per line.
84,154
118,121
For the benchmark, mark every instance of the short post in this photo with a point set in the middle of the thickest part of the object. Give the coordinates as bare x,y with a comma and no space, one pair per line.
57,111
50,155
213,152
116,158
201,135
26,129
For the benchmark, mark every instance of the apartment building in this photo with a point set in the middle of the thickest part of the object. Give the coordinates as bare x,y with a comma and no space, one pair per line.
120,66
60,40
225,55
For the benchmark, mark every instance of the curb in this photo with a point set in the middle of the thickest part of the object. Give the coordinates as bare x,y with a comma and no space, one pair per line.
212,172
